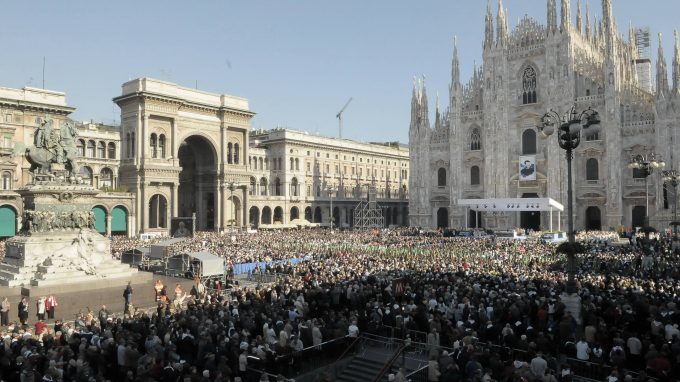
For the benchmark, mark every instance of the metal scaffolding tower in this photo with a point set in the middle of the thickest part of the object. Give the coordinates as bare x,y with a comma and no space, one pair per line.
368,214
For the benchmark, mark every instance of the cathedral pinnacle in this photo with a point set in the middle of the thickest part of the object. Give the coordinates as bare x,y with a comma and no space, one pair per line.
676,65
661,72
588,30
552,17
501,25
565,25
579,19
488,30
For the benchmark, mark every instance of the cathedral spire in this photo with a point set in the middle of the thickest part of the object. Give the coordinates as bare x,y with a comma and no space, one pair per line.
552,17
424,113
501,26
414,105
566,16
609,27
488,31
588,31
579,19
455,66
661,72
676,66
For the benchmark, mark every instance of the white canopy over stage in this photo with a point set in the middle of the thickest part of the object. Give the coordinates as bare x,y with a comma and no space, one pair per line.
514,205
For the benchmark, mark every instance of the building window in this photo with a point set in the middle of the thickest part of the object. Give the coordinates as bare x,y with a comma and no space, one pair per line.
529,86
81,148
277,187
86,175
309,167
474,176
106,178
90,149
112,150
297,164
253,184
8,118
230,149
161,146
441,177
665,196
475,139
529,142
6,180
153,142
592,170
236,153
263,187
294,186
101,150
593,137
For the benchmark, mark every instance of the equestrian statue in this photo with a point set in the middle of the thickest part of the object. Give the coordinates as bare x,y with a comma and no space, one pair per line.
52,146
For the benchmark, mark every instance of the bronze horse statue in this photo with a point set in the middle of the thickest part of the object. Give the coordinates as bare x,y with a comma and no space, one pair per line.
41,159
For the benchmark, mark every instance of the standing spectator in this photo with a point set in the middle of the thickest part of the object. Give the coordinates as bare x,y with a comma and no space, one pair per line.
582,350
40,308
50,306
353,330
103,316
23,311
4,312
538,366
127,295
158,288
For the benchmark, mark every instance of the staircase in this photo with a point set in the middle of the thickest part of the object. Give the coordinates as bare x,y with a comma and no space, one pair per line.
360,369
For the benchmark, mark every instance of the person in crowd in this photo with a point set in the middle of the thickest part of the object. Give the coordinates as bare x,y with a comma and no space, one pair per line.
51,306
23,310
4,311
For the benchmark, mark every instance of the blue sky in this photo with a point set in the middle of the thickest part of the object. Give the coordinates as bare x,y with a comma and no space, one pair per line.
296,61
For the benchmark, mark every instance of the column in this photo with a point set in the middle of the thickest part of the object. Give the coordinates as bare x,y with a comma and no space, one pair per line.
244,209
225,202
219,216
138,137
131,227
108,225
174,141
141,206
174,206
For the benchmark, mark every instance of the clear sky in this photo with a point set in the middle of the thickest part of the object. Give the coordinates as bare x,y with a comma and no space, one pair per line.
297,62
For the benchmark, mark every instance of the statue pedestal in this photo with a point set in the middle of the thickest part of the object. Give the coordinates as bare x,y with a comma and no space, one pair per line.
57,245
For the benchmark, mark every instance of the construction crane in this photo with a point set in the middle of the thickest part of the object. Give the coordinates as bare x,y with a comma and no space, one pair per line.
339,115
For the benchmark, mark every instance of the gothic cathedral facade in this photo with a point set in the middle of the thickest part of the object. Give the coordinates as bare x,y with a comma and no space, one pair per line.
474,147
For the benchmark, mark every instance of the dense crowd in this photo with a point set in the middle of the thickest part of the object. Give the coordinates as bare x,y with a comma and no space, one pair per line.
464,294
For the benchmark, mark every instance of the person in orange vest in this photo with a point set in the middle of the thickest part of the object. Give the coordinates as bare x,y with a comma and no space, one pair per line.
50,306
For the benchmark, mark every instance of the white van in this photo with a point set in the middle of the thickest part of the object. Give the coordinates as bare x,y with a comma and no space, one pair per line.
509,235
553,237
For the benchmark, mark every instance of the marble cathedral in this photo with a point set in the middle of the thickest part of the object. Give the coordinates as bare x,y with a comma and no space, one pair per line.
475,145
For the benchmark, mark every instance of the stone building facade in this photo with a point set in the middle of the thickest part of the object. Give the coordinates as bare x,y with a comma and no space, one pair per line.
474,147
22,111
295,175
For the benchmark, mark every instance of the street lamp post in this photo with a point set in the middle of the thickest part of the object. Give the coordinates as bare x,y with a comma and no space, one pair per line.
672,177
331,190
231,186
569,127
646,164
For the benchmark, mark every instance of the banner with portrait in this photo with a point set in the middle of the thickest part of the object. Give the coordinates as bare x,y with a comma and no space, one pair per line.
527,167
182,227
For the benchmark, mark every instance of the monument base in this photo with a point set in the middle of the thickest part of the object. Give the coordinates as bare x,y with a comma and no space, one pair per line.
60,257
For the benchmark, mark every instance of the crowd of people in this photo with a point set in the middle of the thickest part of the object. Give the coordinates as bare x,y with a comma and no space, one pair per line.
488,310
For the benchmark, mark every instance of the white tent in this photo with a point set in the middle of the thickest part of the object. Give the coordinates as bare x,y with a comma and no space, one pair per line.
514,205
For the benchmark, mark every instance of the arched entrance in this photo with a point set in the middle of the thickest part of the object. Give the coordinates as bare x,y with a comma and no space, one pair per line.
308,214
278,215
442,218
197,181
158,211
638,216
99,219
266,215
317,215
593,219
119,217
254,217
8,221
472,219
294,213
233,217
530,219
